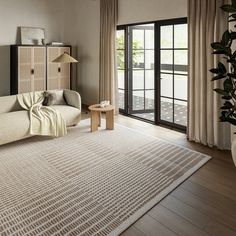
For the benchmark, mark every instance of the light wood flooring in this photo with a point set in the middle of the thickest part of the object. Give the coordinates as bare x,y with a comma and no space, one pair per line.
205,204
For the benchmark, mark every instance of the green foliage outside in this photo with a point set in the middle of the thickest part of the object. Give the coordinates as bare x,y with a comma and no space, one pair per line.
137,54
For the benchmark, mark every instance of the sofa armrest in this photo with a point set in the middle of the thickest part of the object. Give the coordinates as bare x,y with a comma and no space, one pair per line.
72,98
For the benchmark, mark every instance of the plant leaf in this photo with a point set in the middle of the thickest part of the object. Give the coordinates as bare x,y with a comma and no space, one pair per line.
227,119
214,70
234,54
222,68
220,52
227,97
232,35
221,92
228,8
234,95
217,77
217,46
227,105
234,3
231,75
228,85
226,37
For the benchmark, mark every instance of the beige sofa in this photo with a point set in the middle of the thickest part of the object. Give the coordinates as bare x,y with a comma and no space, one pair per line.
15,123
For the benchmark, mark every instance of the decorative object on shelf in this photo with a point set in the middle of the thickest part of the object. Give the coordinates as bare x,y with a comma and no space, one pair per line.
227,72
104,104
56,44
32,36
65,58
44,42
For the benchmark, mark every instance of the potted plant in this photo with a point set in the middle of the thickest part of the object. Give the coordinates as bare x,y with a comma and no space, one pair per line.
227,72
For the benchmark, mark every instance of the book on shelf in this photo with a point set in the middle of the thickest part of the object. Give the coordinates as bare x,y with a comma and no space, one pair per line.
56,43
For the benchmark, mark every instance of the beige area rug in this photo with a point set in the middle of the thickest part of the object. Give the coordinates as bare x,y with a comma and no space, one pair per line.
87,183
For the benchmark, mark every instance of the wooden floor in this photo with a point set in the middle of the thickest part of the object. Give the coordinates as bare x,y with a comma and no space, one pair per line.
205,204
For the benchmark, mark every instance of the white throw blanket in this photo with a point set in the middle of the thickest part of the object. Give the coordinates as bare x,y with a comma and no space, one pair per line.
50,120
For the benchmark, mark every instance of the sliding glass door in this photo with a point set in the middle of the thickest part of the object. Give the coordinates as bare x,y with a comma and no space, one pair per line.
152,71
172,57
141,71
121,67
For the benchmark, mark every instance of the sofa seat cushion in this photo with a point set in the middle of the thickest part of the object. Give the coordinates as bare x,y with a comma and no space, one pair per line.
70,114
14,126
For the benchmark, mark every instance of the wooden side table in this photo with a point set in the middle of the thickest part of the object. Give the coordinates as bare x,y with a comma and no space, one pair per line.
96,111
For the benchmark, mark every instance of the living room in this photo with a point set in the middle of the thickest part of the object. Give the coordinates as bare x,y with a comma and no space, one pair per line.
117,117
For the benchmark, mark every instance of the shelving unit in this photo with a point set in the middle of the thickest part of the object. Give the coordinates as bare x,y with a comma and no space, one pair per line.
32,68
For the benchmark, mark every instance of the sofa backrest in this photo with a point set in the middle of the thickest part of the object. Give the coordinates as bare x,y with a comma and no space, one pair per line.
9,104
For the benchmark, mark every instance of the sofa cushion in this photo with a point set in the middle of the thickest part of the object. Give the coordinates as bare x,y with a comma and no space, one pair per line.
70,114
14,126
54,97
9,104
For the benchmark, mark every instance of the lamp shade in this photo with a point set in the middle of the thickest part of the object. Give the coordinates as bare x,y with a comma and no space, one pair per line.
65,58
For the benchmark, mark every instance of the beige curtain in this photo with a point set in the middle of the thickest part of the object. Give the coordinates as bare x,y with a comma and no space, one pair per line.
207,22
108,74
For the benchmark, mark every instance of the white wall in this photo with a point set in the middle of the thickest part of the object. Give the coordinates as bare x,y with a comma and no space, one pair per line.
82,30
134,11
32,13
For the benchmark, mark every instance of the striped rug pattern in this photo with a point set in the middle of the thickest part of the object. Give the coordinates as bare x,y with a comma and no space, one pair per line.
87,183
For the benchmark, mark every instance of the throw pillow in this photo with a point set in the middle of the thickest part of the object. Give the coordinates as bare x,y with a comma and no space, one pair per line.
54,98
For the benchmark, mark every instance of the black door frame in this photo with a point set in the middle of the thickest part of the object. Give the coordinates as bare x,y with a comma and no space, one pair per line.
158,25
157,70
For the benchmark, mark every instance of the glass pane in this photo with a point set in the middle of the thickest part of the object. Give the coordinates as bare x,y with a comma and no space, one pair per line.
138,79
181,83
121,99
149,39
149,59
167,36
138,39
149,79
149,99
166,85
121,59
167,61
181,110
181,57
181,69
138,100
138,59
167,109
121,79
120,39
181,36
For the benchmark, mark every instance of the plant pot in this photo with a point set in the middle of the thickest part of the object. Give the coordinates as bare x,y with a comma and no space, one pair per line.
233,150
